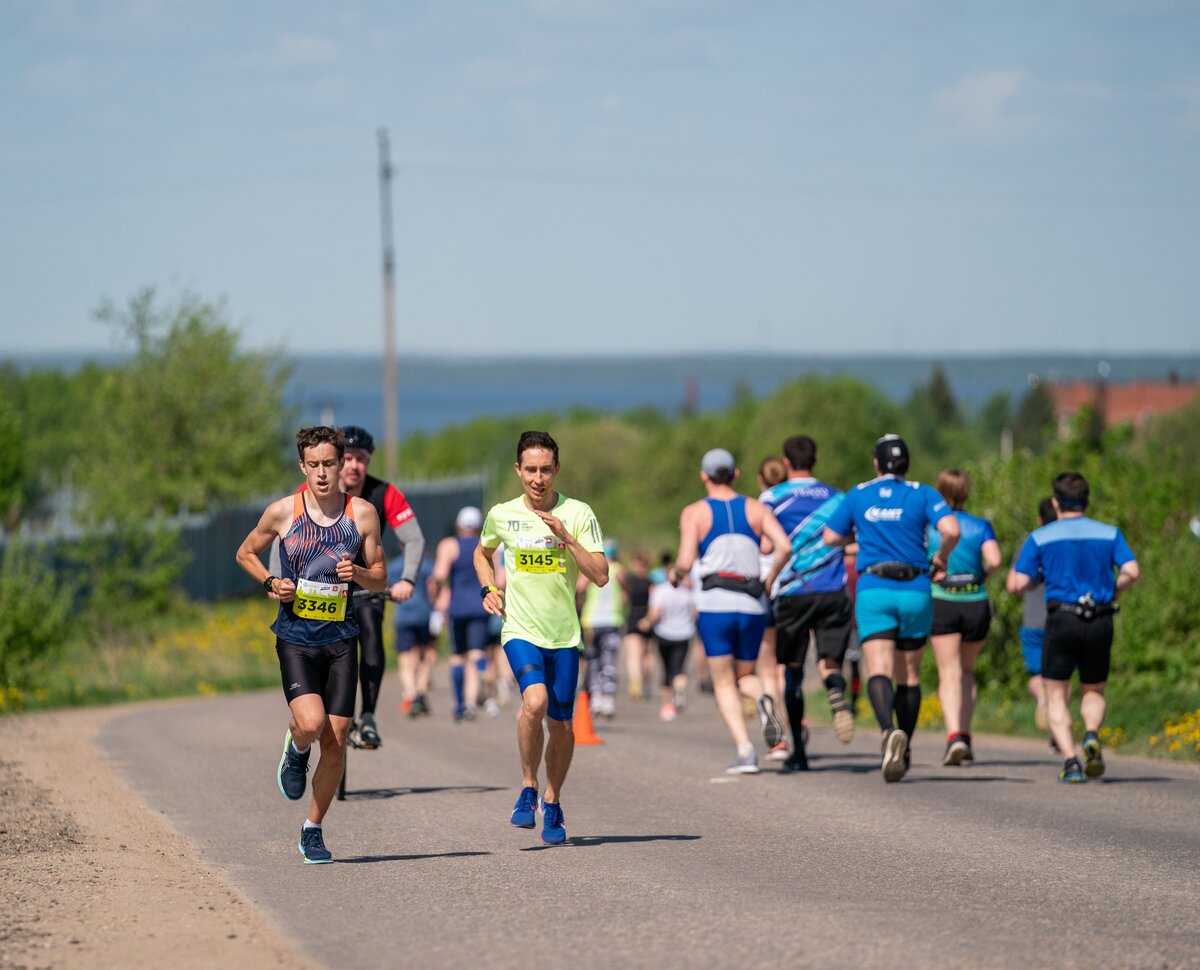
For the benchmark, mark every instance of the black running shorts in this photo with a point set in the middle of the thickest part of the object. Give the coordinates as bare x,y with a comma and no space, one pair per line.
1072,643
971,619
330,670
828,616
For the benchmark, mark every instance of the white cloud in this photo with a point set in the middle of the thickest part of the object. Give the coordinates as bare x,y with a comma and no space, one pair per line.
990,105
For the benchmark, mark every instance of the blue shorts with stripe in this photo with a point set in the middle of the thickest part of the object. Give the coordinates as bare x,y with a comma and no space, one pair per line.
739,634
893,614
557,669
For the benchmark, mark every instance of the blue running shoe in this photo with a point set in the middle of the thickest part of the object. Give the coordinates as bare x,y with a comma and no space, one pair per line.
312,847
524,814
553,830
1072,772
293,770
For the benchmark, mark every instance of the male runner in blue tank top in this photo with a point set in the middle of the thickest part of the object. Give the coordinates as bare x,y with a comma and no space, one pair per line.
893,607
723,534
322,531
1077,557
454,566
810,595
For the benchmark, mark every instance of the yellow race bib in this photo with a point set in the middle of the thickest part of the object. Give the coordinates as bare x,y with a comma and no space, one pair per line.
320,601
547,556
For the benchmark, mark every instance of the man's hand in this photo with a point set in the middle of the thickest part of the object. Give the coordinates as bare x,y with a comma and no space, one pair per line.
285,589
493,603
937,570
401,590
345,568
555,525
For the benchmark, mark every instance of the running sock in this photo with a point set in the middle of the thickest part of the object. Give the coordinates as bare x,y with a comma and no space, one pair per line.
311,825
456,679
836,681
908,708
793,699
300,750
883,699
745,750
481,665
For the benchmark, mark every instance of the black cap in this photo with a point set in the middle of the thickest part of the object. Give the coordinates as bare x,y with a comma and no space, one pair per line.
892,453
357,437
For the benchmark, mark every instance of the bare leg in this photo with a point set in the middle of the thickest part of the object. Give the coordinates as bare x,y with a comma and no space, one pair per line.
634,646
471,677
558,757
425,662
1059,715
767,667
1092,706
947,652
408,673
725,693
970,653
330,767
530,738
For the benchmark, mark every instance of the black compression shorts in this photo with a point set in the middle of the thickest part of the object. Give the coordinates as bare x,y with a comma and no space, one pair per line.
330,670
1072,643
828,616
971,619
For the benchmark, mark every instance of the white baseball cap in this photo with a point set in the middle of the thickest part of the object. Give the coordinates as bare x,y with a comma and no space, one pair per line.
469,517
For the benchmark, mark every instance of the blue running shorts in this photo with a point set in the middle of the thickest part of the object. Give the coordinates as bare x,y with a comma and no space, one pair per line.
739,634
557,669
408,637
470,633
1031,649
894,614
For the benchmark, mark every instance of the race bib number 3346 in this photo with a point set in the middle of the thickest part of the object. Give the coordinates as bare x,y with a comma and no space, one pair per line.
320,601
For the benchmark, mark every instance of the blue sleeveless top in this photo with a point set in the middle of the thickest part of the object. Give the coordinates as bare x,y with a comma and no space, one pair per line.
311,551
465,600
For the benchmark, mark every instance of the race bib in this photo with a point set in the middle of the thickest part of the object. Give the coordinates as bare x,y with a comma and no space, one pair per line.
320,601
540,556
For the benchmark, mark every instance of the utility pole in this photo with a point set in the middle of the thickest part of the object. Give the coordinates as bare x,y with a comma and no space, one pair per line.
391,421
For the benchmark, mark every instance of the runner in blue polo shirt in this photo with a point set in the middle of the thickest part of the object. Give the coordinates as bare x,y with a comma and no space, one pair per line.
893,606
810,596
1085,565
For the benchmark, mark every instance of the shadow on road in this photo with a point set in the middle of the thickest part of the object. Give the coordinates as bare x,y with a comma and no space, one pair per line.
397,792
1144,780
415,857
970,777
584,841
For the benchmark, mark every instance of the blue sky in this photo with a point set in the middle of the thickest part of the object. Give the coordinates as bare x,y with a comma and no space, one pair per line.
580,176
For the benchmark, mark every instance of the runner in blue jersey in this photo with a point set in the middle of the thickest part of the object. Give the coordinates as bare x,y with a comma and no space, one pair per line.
961,613
893,607
810,595
322,530
415,643
722,534
454,566
1085,565
1033,626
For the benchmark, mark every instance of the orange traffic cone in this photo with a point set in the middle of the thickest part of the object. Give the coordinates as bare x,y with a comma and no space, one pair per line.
582,723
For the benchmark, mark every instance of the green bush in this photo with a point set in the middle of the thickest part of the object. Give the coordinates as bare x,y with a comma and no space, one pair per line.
35,614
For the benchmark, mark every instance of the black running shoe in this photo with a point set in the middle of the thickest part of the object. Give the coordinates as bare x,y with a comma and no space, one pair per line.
956,751
421,704
796,761
291,776
772,727
1072,772
368,735
312,847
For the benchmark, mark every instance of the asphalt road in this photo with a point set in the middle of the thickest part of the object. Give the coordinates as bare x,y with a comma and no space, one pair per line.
672,863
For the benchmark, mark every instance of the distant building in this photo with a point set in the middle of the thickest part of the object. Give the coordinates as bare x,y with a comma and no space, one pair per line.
1135,402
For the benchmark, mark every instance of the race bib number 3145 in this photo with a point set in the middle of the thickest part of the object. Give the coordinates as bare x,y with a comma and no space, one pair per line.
541,560
320,601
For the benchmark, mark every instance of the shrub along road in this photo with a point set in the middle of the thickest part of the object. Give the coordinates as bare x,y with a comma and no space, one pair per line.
671,862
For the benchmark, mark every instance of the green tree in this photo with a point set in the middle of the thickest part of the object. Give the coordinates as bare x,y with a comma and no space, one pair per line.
1034,419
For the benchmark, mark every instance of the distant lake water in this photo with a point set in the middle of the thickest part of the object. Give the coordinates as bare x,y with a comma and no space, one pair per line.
436,393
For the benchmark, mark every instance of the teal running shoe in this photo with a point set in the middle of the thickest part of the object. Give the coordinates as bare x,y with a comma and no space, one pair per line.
312,847
1092,756
1072,772
554,832
291,775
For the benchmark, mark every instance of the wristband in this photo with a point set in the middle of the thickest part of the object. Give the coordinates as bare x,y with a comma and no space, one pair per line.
484,590
269,584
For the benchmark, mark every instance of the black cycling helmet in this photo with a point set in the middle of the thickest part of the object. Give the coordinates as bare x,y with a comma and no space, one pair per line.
357,437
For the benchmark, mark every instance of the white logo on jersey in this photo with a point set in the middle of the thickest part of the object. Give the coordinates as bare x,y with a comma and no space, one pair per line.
885,493
876,514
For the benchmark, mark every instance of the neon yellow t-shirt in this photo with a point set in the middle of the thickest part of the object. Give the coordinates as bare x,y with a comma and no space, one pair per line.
540,574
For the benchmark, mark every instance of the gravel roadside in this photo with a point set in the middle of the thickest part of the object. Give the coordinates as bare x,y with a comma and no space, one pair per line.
89,877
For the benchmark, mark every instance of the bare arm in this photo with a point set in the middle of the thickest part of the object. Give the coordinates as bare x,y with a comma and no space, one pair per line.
947,527
447,551
593,565
835,539
1018,583
259,541
990,552
1128,575
373,575
689,545
485,570
771,530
